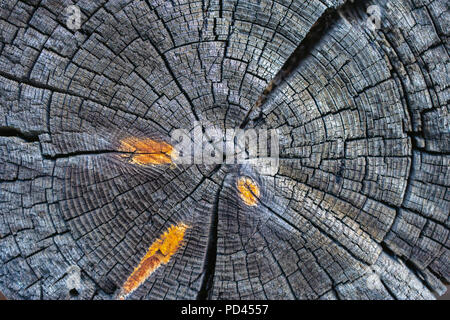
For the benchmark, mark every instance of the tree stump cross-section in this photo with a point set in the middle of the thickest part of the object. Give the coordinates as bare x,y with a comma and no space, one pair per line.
93,207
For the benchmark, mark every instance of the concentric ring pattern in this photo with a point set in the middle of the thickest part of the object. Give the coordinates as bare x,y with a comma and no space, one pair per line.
358,208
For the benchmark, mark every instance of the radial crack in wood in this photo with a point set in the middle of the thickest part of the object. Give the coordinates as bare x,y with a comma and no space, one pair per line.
358,92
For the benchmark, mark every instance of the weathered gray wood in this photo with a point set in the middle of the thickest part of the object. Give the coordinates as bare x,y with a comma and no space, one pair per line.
359,208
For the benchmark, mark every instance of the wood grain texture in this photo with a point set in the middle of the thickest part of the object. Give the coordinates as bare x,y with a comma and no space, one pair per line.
359,208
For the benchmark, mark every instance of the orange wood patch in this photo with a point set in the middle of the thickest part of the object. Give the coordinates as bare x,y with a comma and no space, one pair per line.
159,253
248,191
145,151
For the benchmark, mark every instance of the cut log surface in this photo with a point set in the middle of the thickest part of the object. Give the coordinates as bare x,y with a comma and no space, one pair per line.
359,206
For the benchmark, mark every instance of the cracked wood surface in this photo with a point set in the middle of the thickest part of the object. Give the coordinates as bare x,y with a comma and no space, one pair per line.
359,208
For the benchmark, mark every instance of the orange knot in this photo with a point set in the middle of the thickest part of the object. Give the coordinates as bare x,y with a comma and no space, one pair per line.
248,191
145,151
159,253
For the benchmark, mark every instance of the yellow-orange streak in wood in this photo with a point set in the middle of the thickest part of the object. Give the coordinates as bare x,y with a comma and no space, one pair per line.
145,151
159,253
248,191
